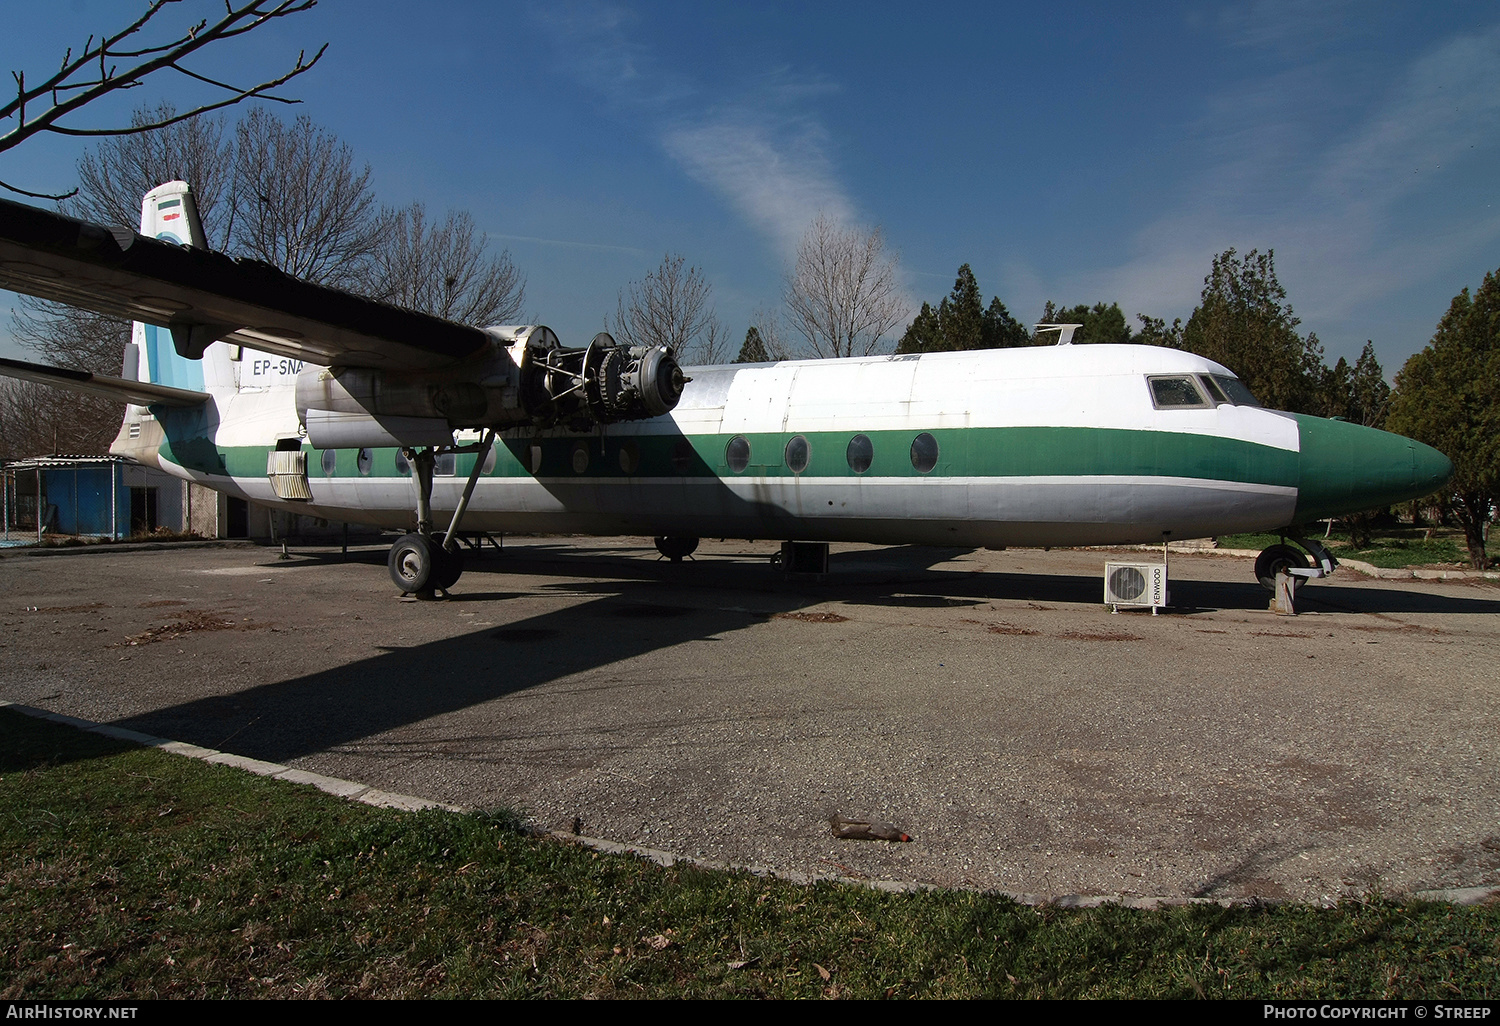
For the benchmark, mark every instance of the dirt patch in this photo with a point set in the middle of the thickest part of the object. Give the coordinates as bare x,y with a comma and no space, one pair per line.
161,604
1405,628
1279,634
1007,628
88,608
188,622
1099,636
811,617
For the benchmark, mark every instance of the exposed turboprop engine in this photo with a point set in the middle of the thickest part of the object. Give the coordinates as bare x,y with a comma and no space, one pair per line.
525,378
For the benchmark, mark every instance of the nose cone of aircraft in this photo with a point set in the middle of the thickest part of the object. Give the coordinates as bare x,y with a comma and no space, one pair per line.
1346,468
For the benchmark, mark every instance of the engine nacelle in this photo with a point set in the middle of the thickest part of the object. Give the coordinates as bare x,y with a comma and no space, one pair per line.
525,378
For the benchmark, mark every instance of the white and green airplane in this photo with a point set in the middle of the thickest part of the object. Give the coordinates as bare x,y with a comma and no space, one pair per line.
301,397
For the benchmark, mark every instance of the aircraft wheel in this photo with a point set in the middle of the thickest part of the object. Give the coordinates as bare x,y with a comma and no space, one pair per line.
676,549
1277,558
449,566
411,563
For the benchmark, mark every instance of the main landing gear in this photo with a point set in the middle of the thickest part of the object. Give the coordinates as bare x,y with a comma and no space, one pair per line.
1283,569
423,563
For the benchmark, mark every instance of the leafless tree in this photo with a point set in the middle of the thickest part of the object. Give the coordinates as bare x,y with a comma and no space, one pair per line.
69,337
125,59
301,204
712,344
114,176
442,269
37,420
669,307
768,322
842,294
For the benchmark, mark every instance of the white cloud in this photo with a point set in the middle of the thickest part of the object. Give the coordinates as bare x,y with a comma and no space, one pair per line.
765,151
1339,212
778,177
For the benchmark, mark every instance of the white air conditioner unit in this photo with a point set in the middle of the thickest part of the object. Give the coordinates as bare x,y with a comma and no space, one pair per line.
1135,584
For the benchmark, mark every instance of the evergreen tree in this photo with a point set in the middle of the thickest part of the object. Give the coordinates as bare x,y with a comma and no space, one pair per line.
961,322
1154,332
1244,323
924,334
1100,323
1448,396
1356,393
1000,330
754,349
961,315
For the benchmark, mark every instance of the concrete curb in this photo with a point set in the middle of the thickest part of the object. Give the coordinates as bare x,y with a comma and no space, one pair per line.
332,785
1368,569
120,548
1417,573
353,791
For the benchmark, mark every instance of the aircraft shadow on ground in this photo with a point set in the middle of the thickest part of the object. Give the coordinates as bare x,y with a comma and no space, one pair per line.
282,720
644,606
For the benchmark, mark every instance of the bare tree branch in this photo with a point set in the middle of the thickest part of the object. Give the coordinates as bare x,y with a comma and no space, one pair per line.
842,294
302,205
442,269
38,195
668,308
768,323
117,172
84,78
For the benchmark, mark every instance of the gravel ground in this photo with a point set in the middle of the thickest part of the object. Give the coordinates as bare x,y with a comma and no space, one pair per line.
984,702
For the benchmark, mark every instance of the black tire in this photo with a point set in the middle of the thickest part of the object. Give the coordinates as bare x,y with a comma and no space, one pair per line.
676,548
1277,558
449,568
411,563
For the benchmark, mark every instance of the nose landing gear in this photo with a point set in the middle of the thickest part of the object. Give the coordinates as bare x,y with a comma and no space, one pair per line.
1283,569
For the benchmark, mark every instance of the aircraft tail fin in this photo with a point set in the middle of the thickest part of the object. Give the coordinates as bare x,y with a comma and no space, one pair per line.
170,213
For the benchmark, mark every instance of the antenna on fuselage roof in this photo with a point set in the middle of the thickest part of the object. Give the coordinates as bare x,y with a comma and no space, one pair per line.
1065,338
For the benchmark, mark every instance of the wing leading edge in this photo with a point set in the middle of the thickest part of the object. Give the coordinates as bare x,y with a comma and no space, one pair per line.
202,296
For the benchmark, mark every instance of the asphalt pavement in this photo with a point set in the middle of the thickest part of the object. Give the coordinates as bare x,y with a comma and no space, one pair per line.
986,703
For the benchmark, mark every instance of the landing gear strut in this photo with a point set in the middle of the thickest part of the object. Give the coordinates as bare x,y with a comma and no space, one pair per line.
421,563
1283,569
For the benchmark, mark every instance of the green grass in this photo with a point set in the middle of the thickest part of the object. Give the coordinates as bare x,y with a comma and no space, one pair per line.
125,872
1391,547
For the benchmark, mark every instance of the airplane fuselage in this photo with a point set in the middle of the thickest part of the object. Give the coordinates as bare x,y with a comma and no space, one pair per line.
1063,445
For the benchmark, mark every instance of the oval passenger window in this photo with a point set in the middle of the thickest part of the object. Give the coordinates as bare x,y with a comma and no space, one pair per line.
860,454
924,453
737,454
796,454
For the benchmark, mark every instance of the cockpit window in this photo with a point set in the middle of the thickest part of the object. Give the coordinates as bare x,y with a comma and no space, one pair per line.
1235,389
1176,392
1214,391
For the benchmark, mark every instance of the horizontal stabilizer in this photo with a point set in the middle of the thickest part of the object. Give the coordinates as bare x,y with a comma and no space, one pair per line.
142,393
201,296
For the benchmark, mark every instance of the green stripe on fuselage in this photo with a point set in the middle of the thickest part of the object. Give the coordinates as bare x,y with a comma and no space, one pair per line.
963,452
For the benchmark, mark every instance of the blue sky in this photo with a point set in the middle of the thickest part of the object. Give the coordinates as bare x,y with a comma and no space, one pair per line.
1082,153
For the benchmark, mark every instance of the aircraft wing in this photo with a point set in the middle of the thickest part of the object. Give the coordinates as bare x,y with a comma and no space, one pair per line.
142,393
202,296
